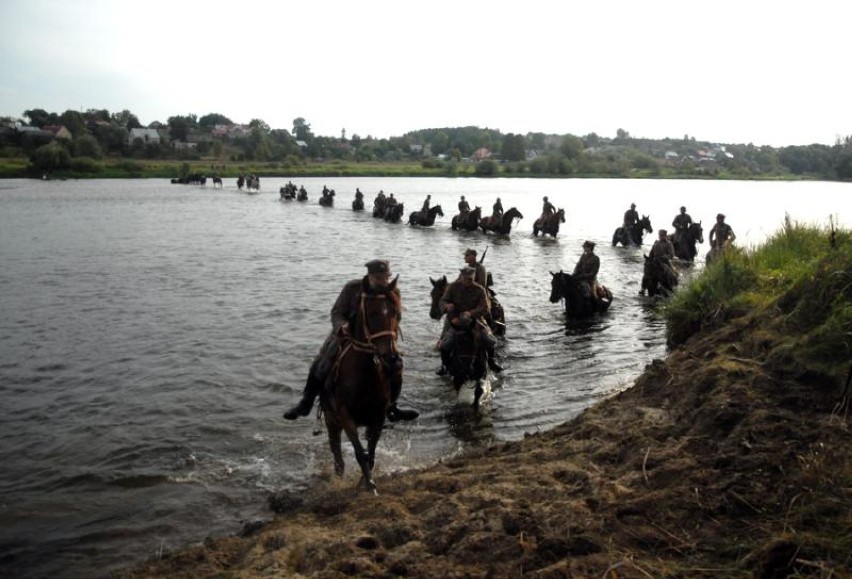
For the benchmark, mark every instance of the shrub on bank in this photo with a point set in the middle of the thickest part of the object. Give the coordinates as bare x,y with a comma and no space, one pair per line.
801,279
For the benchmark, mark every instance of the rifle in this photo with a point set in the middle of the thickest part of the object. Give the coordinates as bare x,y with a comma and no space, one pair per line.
481,259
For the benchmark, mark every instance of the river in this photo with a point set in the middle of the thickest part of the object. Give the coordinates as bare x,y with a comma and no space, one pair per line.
151,335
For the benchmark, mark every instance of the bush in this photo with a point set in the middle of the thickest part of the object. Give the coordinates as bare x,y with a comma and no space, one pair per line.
85,165
486,168
50,157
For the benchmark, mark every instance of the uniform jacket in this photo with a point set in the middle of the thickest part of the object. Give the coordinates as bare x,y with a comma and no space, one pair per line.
721,233
682,221
587,267
631,216
464,298
662,248
345,309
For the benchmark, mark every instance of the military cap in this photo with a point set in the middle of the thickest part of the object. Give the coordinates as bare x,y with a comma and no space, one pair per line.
468,271
663,232
470,251
588,243
683,208
544,198
633,206
378,266
720,216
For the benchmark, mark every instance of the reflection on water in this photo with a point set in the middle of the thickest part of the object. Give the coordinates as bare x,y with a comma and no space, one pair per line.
152,334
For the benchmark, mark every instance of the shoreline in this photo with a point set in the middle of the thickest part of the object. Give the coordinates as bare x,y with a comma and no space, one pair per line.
715,463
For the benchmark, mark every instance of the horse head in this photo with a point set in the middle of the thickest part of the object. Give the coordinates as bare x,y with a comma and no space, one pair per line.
560,215
438,287
512,214
377,322
645,224
697,232
557,286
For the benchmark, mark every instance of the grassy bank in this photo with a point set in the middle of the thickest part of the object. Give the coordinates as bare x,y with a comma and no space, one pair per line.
117,168
731,458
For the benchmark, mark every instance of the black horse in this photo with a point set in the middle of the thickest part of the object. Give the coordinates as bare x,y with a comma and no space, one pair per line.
302,195
578,304
684,243
327,199
496,316
468,221
427,220
218,181
549,225
500,224
633,234
287,193
394,213
358,391
658,278
358,204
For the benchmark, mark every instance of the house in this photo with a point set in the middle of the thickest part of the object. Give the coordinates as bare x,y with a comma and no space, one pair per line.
147,136
59,132
481,154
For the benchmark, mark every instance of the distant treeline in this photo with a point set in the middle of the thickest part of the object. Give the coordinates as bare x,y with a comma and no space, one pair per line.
82,143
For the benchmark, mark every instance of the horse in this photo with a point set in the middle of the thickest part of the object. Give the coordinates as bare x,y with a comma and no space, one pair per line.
358,390
287,193
394,213
658,278
327,199
240,182
716,252
565,286
427,220
549,225
633,234
303,194
253,184
497,315
468,221
684,243
500,224
218,181
358,204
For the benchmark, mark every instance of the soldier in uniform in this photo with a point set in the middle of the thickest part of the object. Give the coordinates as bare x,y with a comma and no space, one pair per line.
426,204
465,301
662,248
547,209
586,271
721,234
631,217
464,206
481,276
391,201
343,315
497,209
681,223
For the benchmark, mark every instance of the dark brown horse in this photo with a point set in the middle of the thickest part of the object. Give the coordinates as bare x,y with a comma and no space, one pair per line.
549,225
358,390
468,221
501,224
425,218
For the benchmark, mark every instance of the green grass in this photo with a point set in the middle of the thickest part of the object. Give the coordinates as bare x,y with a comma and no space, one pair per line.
801,278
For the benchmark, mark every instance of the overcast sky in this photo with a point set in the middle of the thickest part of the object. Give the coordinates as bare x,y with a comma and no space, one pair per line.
729,71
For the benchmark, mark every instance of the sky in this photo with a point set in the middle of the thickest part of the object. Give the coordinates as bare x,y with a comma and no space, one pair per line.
741,71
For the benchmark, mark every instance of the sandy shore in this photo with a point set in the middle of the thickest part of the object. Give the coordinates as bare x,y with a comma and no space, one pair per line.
713,464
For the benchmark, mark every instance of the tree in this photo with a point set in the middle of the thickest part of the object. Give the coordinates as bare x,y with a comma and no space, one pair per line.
208,121
180,127
50,157
622,135
40,117
513,147
259,124
126,119
301,129
87,146
571,147
73,121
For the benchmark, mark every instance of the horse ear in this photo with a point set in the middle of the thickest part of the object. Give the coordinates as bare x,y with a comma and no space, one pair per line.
432,281
392,285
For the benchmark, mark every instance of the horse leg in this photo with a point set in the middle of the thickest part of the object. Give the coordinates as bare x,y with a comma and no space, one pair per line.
360,454
477,394
334,430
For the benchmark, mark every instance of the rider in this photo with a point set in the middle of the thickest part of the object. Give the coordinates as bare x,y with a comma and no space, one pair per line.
358,194
464,206
721,234
391,201
481,276
426,204
631,216
497,209
663,249
465,301
586,271
681,223
343,315
547,209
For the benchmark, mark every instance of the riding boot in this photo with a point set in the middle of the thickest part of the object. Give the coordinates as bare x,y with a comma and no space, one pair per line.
492,361
445,364
395,414
303,408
